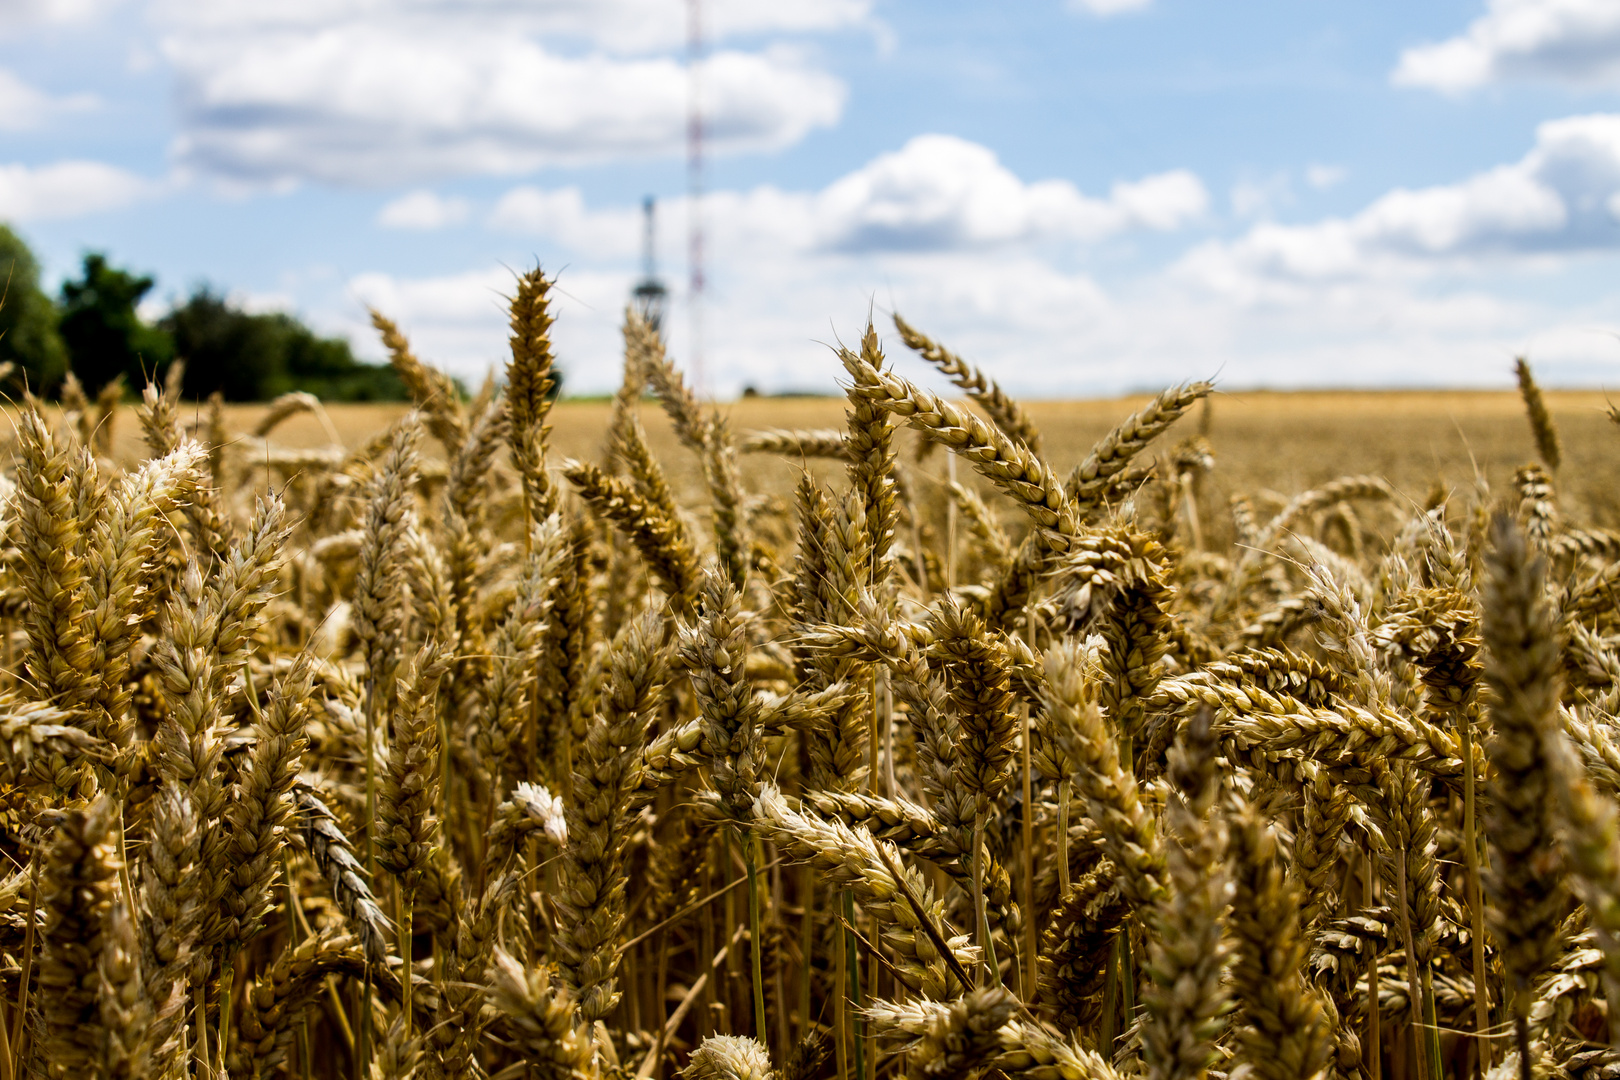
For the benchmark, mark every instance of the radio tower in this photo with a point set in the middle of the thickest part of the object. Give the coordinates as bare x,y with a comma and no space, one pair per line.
649,294
694,185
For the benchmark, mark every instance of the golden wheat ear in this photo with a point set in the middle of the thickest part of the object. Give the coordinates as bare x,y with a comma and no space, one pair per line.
1186,999
593,901
1526,889
1007,414
1282,1030
78,885
431,390
1091,480
1548,446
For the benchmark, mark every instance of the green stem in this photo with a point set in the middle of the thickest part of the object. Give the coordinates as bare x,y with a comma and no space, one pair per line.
755,944
987,948
362,1057
294,918
1127,977
1476,906
1110,1002
1374,1049
1420,1048
859,1033
404,918
1063,837
807,941
199,999
733,961
841,1001
227,977
1431,1027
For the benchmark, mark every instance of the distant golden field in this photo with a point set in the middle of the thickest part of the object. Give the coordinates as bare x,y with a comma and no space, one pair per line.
1262,441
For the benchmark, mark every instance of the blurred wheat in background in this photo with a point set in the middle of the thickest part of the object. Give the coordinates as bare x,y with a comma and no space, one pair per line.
940,750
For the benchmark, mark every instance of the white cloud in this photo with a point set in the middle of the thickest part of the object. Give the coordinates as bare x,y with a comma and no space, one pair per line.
1037,329
939,222
624,26
1564,195
423,210
365,104
562,216
23,106
966,251
1572,41
66,189
936,193
1322,177
1261,197
939,192
1105,8
20,13
376,91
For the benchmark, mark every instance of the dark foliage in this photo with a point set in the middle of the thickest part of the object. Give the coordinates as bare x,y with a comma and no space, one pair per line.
103,331
251,357
28,318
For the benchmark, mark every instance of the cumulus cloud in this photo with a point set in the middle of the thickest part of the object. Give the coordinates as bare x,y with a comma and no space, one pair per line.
423,210
936,193
623,26
1038,329
940,192
368,104
940,223
1563,196
374,91
562,216
21,13
967,252
1571,41
23,106
66,189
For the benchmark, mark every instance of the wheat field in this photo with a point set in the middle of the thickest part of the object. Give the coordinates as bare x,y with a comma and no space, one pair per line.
1195,735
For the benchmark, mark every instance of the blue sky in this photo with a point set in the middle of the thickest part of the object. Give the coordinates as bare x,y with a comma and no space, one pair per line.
1085,197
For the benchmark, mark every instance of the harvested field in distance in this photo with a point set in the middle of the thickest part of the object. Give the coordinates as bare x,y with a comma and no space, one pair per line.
1284,442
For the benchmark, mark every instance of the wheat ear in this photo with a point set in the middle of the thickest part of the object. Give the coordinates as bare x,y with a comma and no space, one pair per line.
80,868
592,900
1004,461
1186,1000
1283,1036
1541,422
543,1017
434,393
871,470
1008,415
1525,886
529,389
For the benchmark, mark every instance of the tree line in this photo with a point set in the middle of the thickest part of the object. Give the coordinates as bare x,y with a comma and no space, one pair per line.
94,329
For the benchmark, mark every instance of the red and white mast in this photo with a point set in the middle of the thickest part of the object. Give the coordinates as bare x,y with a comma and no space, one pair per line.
694,188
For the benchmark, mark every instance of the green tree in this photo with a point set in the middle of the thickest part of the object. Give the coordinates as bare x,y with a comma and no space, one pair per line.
28,318
224,348
104,333
250,357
